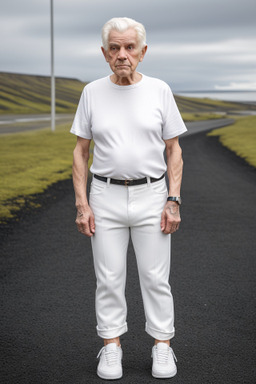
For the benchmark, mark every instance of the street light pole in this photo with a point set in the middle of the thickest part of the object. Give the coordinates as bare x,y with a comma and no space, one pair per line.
52,73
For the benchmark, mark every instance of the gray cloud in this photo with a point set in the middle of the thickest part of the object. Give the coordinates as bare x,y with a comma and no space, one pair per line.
192,44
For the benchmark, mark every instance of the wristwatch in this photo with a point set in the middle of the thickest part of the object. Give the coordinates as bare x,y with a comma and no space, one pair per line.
177,199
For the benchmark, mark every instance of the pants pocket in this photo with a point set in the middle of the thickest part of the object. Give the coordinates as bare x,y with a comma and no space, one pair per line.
159,187
97,187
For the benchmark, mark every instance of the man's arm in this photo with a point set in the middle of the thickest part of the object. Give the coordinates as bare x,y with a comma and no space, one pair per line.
170,220
85,218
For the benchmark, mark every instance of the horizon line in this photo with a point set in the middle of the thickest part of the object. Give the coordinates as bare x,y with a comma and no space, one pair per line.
215,91
174,90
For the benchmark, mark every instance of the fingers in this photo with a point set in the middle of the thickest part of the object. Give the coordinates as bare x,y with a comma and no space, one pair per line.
163,222
85,224
92,224
171,228
169,224
84,228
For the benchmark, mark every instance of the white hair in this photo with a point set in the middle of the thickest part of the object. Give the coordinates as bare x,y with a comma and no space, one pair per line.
122,24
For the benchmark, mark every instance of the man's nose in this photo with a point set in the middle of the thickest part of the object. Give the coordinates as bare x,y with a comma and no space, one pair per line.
122,54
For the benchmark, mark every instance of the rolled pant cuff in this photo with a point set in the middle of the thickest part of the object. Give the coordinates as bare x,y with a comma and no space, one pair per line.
159,334
112,332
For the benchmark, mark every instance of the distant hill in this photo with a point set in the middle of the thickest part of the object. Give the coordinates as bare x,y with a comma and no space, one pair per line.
206,105
30,94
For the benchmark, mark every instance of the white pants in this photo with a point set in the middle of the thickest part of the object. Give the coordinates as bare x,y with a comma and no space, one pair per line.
120,211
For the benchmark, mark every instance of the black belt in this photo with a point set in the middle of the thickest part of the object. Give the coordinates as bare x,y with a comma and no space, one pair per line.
128,182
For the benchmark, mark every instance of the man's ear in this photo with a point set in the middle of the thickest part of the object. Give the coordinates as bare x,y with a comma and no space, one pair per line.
105,53
143,52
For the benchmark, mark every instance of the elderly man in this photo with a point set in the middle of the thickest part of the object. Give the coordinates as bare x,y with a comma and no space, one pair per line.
132,119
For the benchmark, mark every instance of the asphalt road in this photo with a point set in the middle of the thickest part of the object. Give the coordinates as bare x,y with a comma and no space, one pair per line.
48,322
205,125
21,123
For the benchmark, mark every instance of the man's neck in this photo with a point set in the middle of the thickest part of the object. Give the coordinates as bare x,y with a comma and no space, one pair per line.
133,79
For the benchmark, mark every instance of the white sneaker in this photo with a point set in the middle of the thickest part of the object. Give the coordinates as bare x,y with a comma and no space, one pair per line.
110,364
163,361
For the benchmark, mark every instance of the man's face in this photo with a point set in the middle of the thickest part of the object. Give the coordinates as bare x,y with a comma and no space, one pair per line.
124,52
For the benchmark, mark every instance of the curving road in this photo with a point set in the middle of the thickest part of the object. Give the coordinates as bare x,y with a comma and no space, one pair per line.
48,322
22,123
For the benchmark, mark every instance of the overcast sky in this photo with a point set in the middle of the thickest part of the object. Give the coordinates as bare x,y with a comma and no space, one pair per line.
192,44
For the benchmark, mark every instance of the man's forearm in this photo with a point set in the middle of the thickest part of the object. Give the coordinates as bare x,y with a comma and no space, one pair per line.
174,169
170,219
80,176
84,218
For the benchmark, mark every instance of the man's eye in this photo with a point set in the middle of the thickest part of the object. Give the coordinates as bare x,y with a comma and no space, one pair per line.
113,48
130,47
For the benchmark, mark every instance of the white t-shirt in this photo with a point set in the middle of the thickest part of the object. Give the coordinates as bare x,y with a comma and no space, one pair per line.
128,125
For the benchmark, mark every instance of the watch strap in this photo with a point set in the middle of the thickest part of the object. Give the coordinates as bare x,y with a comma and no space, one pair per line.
177,199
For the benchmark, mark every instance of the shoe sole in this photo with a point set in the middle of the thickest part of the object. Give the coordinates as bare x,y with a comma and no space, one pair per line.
109,377
164,376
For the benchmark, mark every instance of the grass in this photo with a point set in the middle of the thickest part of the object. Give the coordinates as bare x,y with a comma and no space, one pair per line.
28,94
197,116
240,138
30,162
205,105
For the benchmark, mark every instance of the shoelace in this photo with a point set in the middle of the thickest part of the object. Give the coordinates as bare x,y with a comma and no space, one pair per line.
111,356
163,355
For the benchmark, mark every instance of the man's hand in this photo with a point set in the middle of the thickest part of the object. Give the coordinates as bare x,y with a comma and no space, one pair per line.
170,219
85,221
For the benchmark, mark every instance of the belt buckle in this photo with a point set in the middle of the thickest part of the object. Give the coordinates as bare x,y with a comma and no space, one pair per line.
127,182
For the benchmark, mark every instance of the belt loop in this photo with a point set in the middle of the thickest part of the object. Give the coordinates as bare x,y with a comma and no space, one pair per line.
148,181
108,182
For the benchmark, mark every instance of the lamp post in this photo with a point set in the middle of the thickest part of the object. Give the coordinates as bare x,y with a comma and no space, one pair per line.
52,73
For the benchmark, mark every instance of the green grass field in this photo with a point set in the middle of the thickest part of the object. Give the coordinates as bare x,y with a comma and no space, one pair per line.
240,138
198,116
28,94
32,161
205,105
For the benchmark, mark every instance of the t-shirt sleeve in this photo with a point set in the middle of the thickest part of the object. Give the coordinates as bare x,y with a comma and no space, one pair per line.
173,125
82,123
